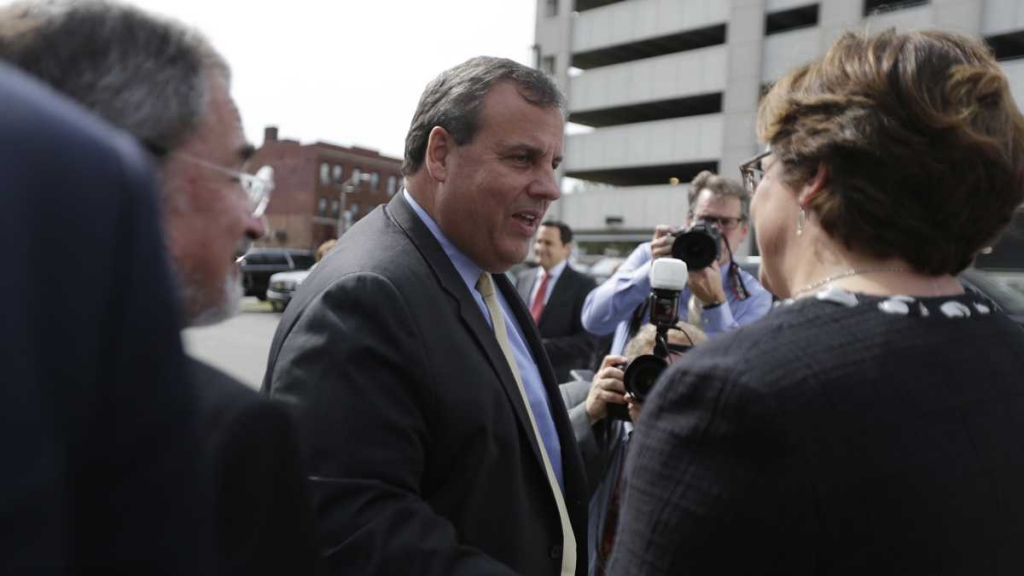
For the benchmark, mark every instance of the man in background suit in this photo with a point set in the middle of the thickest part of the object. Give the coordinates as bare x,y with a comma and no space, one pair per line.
438,441
555,293
164,84
98,428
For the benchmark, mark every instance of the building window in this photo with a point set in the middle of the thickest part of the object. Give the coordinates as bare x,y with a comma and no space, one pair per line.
337,173
391,185
321,207
1007,46
551,8
547,65
356,173
325,173
335,208
354,210
793,19
883,6
375,181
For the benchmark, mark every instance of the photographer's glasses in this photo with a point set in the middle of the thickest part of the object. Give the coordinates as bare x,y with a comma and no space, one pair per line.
723,222
752,171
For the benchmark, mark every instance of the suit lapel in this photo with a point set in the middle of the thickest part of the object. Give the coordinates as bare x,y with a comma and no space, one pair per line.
428,246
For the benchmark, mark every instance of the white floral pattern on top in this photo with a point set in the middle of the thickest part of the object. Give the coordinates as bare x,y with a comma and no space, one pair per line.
901,305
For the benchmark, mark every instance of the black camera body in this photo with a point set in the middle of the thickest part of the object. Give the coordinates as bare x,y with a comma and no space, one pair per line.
668,278
699,245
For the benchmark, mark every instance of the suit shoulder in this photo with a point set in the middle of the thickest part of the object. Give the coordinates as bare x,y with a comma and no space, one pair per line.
223,399
578,278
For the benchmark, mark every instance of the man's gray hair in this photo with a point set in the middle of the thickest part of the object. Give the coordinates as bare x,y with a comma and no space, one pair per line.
719,186
142,73
453,101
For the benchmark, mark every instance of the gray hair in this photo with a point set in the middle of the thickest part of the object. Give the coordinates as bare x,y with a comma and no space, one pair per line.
453,100
643,341
719,186
141,73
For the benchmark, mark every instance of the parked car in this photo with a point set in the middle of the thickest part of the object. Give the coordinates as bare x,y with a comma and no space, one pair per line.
1006,290
283,285
604,268
259,264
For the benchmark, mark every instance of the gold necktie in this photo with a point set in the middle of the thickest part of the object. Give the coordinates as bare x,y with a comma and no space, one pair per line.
485,286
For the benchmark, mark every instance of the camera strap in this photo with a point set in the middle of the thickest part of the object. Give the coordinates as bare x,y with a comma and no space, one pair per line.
638,319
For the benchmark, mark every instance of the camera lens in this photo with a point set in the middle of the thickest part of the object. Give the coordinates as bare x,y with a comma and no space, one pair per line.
698,247
641,375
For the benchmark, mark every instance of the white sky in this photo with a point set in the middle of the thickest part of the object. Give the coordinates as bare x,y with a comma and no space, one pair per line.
348,72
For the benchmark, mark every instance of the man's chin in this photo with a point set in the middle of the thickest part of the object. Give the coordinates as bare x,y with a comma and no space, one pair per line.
228,304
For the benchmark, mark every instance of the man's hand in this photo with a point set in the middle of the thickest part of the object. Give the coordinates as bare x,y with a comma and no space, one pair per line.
706,285
661,243
606,387
634,407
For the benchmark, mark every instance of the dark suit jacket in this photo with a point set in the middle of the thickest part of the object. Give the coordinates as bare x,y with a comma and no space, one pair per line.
263,518
98,426
595,442
421,455
568,345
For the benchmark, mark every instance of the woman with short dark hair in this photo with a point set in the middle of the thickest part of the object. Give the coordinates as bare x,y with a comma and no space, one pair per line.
872,423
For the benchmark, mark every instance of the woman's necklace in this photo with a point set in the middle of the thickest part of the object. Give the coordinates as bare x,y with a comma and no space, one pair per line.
846,274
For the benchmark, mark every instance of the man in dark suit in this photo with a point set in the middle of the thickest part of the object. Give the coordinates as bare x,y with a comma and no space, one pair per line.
438,440
120,62
98,426
555,293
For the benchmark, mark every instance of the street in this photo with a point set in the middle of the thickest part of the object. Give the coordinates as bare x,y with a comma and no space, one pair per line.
238,346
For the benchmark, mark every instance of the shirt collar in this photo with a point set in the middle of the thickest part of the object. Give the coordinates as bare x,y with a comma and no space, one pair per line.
464,265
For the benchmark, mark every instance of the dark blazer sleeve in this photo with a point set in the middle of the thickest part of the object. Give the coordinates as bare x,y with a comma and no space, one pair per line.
367,416
575,348
591,439
717,442
264,521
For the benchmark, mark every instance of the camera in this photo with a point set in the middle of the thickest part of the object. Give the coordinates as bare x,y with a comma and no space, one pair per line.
698,246
668,278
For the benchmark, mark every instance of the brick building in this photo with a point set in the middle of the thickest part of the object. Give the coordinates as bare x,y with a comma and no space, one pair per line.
308,205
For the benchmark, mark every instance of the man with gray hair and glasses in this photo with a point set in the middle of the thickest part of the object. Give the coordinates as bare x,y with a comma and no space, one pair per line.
165,85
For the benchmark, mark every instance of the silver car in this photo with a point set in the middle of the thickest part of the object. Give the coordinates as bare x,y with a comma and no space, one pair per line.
282,285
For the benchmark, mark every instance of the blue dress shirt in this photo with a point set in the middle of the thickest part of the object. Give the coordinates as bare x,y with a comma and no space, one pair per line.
610,306
470,272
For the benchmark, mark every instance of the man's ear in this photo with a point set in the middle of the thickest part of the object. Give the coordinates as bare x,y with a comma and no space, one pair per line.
815,185
439,146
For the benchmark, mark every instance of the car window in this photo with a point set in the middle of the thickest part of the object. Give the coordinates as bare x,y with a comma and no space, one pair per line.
277,259
302,261
254,259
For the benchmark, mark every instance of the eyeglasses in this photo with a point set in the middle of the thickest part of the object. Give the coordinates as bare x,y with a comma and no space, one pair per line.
257,187
752,172
723,222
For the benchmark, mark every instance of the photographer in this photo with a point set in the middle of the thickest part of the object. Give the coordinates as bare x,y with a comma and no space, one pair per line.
603,439
720,296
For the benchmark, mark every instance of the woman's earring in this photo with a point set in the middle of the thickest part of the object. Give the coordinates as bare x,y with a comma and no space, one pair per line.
800,222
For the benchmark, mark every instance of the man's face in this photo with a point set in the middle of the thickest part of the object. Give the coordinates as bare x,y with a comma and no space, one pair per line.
207,216
497,187
724,208
548,248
